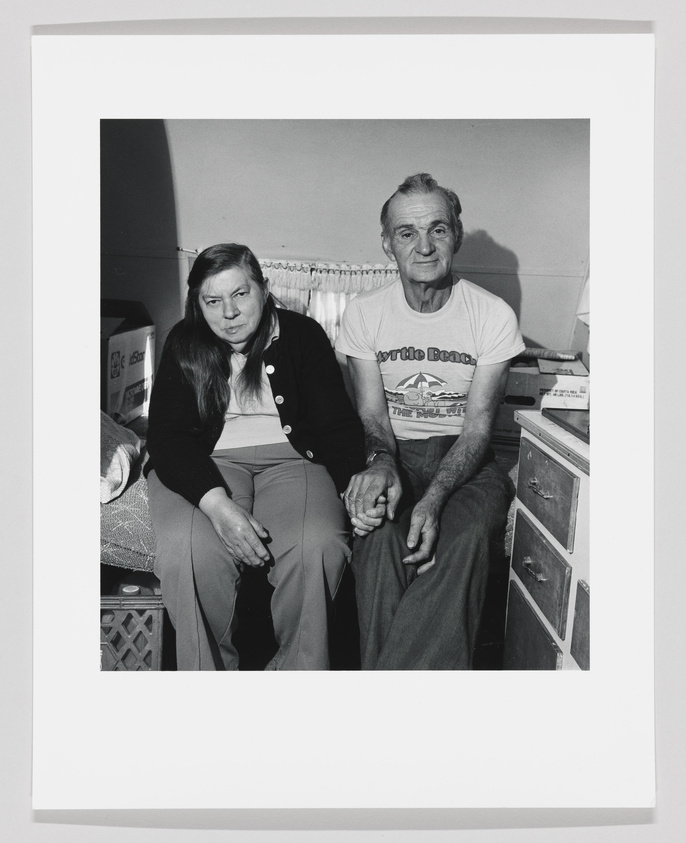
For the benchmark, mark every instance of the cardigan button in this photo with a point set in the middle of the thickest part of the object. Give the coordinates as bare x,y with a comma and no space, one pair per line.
309,454
269,369
287,429
279,399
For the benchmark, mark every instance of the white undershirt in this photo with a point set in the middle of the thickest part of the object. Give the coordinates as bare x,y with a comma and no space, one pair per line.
250,421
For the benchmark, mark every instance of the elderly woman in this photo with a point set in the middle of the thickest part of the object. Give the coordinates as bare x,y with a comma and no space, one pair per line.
251,437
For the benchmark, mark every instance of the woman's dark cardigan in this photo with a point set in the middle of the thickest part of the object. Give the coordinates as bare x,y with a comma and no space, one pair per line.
316,413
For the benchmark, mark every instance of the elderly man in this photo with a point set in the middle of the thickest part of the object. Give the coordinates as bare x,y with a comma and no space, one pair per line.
428,358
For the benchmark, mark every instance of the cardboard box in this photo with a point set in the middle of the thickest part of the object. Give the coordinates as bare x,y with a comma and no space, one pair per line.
127,345
521,393
566,384
563,384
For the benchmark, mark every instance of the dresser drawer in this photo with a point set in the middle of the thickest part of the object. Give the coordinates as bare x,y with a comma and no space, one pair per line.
580,649
528,644
544,573
549,491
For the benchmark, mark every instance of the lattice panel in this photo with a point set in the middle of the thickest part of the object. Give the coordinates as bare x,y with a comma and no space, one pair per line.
131,633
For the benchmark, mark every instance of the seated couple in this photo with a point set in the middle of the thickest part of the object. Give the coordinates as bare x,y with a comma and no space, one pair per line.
259,458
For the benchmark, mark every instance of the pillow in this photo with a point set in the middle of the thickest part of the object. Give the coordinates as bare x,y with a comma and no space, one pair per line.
119,449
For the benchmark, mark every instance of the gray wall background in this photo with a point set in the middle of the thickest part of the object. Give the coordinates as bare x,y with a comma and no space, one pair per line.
313,190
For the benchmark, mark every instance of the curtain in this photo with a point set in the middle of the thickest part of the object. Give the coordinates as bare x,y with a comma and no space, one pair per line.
322,290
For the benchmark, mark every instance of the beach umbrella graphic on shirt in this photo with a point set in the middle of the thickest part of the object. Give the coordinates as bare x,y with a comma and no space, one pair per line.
417,388
421,381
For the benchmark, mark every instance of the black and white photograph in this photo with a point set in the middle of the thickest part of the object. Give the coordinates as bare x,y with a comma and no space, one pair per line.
349,548
214,556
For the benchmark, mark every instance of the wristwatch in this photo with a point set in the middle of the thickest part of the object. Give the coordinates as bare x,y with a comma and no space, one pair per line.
375,454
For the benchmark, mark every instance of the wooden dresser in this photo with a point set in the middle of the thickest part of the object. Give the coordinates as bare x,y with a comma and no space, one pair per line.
547,625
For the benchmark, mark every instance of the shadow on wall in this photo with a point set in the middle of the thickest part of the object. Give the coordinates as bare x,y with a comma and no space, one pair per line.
500,272
139,258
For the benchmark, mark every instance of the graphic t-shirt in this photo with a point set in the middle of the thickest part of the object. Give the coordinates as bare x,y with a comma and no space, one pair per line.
427,360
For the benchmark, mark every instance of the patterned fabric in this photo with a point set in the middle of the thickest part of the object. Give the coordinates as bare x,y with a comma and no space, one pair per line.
126,535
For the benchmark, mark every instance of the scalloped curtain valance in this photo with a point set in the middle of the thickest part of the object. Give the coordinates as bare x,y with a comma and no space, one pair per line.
323,290
328,277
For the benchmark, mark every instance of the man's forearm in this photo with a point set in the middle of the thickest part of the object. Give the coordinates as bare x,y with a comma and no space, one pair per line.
463,459
457,467
373,494
377,436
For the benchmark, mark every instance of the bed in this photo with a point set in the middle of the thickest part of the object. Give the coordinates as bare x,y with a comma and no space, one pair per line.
126,536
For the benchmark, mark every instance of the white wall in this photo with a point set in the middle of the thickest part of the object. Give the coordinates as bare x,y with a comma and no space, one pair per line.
313,190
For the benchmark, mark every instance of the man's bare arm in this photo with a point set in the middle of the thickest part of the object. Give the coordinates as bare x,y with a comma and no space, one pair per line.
373,493
461,461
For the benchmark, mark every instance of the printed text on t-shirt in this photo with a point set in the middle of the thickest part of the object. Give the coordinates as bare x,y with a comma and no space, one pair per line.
431,354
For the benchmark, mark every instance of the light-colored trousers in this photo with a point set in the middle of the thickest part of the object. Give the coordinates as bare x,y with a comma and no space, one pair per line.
296,502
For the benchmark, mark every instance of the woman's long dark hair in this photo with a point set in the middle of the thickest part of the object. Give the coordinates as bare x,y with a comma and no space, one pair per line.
205,359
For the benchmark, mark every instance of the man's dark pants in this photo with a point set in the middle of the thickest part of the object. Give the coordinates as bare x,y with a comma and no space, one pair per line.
430,621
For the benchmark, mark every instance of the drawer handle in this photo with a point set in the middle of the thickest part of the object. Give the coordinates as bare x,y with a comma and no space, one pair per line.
526,562
533,485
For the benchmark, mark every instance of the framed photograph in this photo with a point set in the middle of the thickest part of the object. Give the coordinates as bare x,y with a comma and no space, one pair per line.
147,149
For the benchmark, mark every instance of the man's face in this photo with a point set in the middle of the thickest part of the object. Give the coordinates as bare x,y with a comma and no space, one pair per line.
420,237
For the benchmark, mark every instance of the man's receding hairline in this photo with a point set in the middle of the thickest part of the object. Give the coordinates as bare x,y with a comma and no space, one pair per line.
420,192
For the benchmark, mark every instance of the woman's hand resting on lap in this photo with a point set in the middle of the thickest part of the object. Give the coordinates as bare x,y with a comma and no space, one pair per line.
242,535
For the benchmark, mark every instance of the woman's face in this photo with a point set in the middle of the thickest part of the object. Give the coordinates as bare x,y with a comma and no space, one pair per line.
232,304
